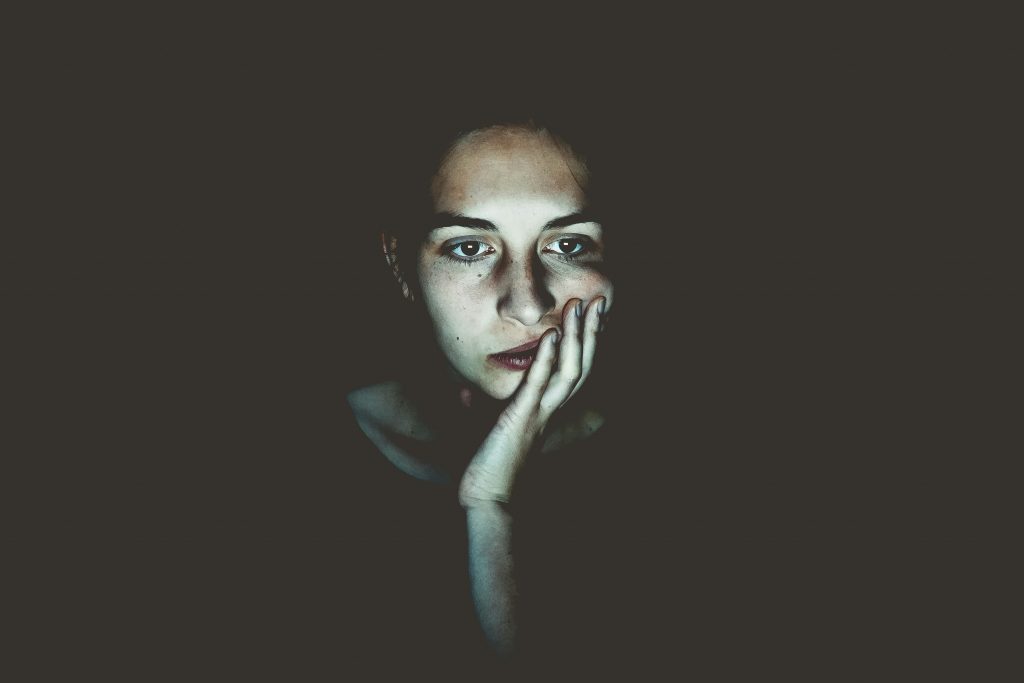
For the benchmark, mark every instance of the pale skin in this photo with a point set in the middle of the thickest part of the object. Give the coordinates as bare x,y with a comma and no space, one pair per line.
515,258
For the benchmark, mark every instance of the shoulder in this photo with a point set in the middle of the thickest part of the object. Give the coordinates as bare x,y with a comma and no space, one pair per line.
389,405
374,402
389,418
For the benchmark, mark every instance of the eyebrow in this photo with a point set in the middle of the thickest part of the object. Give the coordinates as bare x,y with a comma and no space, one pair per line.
446,219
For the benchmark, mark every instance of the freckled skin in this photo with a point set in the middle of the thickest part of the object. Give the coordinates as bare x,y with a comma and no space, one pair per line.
516,287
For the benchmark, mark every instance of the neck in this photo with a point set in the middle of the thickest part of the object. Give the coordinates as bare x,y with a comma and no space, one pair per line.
458,414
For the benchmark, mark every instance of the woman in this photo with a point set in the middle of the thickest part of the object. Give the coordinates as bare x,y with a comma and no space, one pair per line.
506,268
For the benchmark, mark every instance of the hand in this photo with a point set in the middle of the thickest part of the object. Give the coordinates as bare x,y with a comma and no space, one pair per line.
558,371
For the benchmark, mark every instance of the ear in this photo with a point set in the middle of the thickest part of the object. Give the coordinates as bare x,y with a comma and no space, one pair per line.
390,244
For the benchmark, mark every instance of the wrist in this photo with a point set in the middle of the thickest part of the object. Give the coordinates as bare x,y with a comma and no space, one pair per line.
490,476
484,508
472,496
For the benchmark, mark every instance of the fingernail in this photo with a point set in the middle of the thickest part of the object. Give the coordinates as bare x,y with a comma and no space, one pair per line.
554,337
600,306
579,308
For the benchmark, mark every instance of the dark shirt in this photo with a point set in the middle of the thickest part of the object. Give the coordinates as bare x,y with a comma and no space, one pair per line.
570,532
282,543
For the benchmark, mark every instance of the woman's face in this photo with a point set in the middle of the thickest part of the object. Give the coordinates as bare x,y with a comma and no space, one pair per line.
511,245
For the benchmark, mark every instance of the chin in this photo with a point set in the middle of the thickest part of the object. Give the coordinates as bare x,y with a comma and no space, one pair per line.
501,389
498,393
499,385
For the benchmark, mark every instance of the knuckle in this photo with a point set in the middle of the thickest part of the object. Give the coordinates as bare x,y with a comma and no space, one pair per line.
516,416
508,417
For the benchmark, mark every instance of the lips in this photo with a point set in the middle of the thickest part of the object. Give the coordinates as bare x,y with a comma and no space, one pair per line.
523,347
517,358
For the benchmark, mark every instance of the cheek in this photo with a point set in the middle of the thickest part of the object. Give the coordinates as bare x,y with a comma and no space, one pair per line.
454,307
586,287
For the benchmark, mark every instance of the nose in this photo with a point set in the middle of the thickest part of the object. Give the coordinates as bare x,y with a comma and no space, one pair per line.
525,298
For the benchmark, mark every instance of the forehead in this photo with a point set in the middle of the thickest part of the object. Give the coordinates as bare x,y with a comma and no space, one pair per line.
508,164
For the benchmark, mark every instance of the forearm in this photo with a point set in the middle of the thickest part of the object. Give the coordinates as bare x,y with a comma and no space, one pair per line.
491,573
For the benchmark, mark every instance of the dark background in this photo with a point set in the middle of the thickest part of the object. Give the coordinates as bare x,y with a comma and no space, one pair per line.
820,294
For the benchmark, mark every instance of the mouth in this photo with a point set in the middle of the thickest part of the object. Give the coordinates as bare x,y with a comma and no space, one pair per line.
518,358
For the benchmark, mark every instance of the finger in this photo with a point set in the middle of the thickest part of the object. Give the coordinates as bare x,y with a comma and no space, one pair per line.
592,319
570,351
539,373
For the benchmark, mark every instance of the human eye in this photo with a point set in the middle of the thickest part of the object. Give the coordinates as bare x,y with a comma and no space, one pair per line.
467,251
570,247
